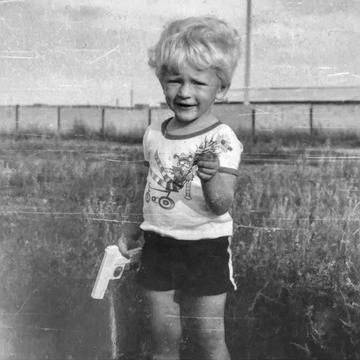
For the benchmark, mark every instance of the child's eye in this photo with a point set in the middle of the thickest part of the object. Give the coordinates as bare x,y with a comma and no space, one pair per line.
173,81
199,83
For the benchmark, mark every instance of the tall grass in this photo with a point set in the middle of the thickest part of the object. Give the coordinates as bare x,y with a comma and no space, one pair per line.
296,253
295,246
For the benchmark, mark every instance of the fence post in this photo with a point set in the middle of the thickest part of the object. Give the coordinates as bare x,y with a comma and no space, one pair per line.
253,133
311,124
102,122
149,116
16,118
58,119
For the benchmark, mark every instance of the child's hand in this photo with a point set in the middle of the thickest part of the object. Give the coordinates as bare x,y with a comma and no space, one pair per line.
125,245
208,166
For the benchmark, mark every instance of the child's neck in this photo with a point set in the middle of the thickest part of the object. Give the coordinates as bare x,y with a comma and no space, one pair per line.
176,127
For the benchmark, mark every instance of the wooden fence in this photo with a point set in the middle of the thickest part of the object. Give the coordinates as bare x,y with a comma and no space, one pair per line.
260,117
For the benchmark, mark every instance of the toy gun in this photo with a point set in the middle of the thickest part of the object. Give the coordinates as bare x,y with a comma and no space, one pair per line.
112,267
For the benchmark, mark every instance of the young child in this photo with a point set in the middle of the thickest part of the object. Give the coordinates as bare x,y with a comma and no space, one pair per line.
193,162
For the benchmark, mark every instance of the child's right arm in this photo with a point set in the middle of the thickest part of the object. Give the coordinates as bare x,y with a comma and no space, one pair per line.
131,234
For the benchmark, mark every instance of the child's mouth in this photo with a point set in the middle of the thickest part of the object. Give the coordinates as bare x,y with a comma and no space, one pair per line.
184,106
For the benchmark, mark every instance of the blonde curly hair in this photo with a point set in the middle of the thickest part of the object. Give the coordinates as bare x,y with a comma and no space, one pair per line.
201,42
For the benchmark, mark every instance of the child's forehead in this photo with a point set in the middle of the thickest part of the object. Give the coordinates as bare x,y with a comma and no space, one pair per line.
188,70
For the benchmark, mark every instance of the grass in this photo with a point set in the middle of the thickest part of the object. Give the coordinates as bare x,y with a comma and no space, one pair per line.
295,248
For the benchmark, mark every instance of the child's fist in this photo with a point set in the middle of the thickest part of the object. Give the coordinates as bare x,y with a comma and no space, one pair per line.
208,165
127,244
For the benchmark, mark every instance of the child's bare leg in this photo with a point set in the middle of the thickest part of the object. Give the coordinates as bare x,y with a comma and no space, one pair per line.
165,324
205,319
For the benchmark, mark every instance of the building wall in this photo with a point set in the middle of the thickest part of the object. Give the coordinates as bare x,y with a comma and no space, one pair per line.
7,119
39,119
272,118
130,122
89,117
330,119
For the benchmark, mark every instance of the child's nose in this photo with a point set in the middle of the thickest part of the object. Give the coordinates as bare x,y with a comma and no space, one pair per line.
185,90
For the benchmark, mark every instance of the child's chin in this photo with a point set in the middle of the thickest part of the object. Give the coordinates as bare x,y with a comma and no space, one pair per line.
185,116
185,119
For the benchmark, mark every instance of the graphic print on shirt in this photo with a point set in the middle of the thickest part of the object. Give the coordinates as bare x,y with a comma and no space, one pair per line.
182,171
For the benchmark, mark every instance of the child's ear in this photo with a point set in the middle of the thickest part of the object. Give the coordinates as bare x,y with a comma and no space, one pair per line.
222,91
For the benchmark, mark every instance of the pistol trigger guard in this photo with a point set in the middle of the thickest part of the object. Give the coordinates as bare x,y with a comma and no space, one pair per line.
119,269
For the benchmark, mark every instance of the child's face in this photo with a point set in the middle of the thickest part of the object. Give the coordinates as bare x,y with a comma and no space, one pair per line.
190,93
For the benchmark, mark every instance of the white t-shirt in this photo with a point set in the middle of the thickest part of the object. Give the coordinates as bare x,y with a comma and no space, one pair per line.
174,204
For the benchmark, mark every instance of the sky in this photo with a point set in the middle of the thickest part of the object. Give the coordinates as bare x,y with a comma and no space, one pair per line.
95,51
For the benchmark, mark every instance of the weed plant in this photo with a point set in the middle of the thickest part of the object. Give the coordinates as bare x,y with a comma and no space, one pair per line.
295,246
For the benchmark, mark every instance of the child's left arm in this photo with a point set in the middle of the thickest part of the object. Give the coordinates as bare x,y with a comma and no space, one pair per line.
218,187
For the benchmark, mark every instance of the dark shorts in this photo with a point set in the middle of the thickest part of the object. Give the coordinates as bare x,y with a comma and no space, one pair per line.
199,268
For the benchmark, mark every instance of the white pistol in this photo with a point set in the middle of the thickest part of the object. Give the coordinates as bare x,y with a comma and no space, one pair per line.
112,268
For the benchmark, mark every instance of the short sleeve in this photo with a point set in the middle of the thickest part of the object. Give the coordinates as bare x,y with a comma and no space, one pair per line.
230,149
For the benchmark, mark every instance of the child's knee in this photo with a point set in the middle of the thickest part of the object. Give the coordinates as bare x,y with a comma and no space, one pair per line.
210,340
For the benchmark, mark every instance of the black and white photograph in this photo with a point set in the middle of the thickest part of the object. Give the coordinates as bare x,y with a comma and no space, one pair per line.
179,180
